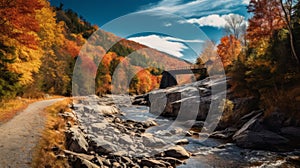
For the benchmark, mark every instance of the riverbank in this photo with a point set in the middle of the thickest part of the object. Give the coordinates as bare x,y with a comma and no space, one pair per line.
112,133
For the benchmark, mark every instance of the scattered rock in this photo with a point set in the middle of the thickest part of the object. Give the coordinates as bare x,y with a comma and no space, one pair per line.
294,159
149,123
106,110
150,141
117,120
151,163
80,155
120,153
102,146
182,142
76,140
88,164
125,139
172,161
98,126
224,134
116,165
177,152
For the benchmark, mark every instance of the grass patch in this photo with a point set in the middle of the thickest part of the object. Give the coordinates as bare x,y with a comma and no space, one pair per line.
10,108
49,151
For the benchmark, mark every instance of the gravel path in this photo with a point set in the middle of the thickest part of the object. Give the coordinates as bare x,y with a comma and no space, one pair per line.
20,135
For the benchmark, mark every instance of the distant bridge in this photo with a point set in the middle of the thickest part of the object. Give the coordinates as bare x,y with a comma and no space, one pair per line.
169,75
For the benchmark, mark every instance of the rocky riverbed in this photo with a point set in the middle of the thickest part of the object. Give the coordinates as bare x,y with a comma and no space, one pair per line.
105,137
112,133
241,123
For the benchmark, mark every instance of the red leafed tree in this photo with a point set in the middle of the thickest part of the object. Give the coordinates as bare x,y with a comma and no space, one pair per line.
229,49
17,20
267,17
72,48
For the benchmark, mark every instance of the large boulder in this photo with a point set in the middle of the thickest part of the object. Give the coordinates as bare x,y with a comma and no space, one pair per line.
263,140
186,102
101,146
177,152
274,121
254,135
291,132
106,110
151,141
76,140
254,124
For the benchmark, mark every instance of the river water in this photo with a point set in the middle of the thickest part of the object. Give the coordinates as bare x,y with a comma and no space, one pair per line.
211,152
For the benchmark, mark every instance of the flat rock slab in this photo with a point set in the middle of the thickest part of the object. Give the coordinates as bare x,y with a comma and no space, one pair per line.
21,134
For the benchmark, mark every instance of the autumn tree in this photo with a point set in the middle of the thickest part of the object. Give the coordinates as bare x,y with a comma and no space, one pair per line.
19,50
229,50
267,18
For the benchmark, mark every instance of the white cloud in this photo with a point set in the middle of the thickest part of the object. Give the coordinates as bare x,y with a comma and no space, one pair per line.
170,45
182,40
167,24
246,2
213,20
196,7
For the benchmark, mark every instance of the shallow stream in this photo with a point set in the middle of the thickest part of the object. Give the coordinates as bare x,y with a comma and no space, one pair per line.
211,152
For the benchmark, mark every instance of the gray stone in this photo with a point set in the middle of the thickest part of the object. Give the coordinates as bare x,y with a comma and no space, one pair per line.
106,110
177,152
81,155
76,140
224,134
149,123
253,125
98,126
102,146
120,153
182,142
126,139
264,139
151,163
150,141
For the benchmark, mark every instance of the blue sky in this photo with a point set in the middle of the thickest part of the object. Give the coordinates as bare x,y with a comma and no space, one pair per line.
177,27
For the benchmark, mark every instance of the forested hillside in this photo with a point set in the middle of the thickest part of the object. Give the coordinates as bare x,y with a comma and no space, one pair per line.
39,45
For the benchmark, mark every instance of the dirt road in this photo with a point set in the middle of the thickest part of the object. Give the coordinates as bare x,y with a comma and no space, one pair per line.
20,135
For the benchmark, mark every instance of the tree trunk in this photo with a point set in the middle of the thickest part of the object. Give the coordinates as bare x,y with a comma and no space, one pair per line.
288,21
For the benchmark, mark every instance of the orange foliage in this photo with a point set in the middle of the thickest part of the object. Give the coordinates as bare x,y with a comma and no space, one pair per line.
145,83
17,20
72,48
229,49
267,18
